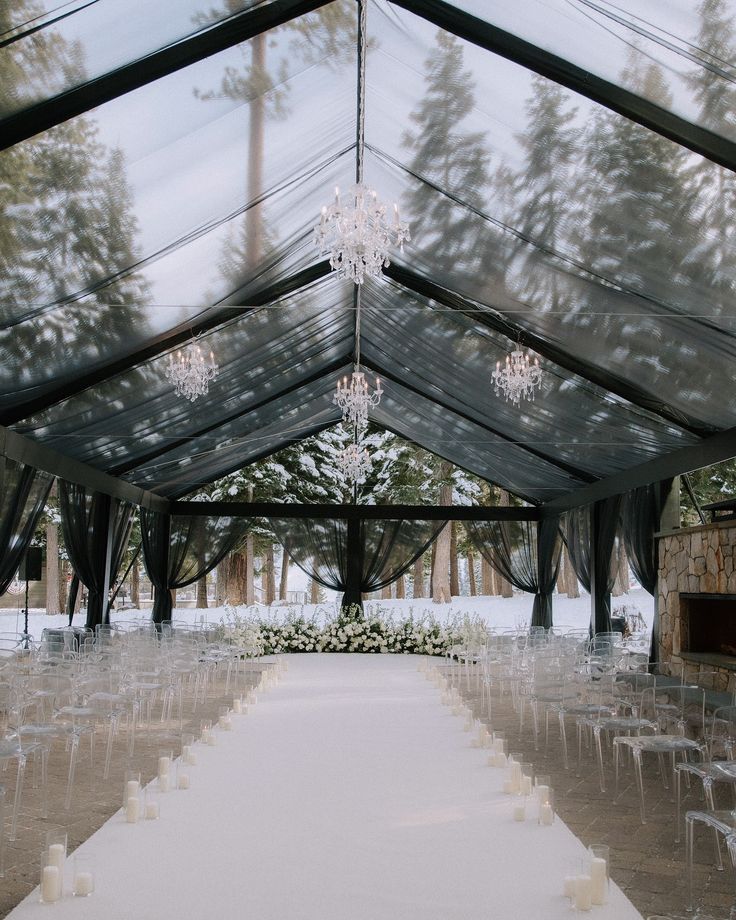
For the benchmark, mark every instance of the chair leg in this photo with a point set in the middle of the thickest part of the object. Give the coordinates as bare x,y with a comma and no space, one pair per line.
16,800
563,738
689,849
640,783
599,752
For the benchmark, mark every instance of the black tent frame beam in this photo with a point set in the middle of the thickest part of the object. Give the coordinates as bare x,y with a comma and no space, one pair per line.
23,450
582,475
164,342
719,447
356,512
232,31
497,322
477,31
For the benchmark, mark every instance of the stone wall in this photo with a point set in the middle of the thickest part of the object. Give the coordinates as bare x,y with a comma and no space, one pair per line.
697,560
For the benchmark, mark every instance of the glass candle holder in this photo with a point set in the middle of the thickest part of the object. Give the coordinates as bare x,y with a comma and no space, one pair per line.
598,868
519,808
131,786
51,880
187,745
224,721
152,804
55,852
515,764
545,805
83,877
527,779
182,778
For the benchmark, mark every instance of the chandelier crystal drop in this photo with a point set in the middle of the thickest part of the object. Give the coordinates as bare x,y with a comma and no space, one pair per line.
191,372
518,377
356,235
354,397
354,463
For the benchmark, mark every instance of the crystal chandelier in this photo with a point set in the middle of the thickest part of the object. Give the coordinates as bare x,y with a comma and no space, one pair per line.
191,372
354,231
355,234
518,377
354,396
354,463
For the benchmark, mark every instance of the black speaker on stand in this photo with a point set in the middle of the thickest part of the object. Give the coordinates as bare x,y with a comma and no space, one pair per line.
30,569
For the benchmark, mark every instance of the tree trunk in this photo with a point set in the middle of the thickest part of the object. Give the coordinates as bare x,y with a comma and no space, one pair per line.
419,577
135,585
488,586
314,592
454,574
471,573
284,583
63,583
400,588
441,593
236,579
620,567
52,568
505,587
386,593
202,592
221,578
268,577
572,588
249,575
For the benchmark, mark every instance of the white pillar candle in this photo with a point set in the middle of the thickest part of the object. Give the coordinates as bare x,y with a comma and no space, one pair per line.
568,886
501,760
152,811
237,707
57,855
183,781
132,810
520,811
83,884
515,776
508,787
50,883
543,794
598,876
211,739
492,759
132,788
546,815
164,763
191,758
583,893
526,785
164,783
227,723
185,753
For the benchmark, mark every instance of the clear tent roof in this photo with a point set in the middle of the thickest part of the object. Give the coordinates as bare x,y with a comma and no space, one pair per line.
567,169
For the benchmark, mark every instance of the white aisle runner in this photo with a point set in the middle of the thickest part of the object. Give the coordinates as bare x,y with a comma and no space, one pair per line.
347,793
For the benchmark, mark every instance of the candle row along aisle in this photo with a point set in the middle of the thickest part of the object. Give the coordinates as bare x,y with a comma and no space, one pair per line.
587,882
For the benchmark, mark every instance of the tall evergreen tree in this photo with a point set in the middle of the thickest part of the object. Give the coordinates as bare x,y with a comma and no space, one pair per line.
443,152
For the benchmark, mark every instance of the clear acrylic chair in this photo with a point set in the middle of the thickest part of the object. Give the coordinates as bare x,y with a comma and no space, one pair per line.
723,824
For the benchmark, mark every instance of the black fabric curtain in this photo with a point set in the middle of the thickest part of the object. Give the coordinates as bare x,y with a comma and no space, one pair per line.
23,494
526,553
577,529
180,549
86,519
641,513
355,557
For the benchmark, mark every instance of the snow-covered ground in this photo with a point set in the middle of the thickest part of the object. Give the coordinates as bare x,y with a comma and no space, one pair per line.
496,611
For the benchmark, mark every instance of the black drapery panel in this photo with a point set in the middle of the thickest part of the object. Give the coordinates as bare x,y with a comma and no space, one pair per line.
578,531
526,553
641,512
23,494
355,557
180,549
86,520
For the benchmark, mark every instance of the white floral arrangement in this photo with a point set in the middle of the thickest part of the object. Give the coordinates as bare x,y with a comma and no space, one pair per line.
350,630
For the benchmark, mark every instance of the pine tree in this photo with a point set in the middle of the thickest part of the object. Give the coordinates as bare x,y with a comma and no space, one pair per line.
454,159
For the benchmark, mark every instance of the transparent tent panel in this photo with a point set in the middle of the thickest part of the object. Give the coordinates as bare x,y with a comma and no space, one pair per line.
446,355
260,355
692,45
255,434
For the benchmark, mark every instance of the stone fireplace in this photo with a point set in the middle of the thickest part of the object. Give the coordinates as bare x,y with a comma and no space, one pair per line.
697,601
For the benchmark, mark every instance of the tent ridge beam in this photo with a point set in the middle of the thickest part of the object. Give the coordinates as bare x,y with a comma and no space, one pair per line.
355,512
718,447
492,319
18,447
163,343
479,32
180,54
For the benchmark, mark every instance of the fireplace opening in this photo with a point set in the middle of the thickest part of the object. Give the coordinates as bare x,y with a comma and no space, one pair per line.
708,623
